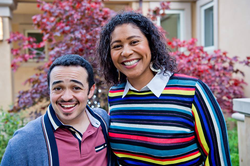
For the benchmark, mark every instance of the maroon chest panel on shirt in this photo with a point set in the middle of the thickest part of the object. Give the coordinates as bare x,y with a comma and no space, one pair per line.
89,151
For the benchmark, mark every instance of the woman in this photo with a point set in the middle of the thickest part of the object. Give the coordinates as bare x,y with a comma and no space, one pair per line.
158,117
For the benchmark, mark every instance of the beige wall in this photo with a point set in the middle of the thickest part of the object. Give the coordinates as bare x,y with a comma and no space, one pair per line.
193,15
6,86
233,27
21,23
21,75
234,31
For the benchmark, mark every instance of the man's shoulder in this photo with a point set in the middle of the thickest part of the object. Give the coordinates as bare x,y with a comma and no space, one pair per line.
27,145
102,113
30,131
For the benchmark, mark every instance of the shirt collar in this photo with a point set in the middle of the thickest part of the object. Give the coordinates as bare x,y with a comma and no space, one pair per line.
156,85
56,123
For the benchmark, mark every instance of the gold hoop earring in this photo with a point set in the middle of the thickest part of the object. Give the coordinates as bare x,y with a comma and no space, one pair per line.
153,69
119,75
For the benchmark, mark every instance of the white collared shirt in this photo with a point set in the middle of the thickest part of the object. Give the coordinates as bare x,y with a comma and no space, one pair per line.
156,85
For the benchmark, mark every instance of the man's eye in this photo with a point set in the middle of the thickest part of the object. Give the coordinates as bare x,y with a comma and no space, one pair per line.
77,88
57,88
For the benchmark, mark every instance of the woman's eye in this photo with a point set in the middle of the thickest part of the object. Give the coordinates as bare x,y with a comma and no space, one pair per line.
134,42
116,46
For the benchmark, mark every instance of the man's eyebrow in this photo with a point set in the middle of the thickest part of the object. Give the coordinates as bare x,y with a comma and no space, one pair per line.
78,82
75,81
56,82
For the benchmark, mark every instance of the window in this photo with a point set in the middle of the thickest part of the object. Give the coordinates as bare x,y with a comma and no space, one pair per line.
178,20
172,23
39,51
207,24
207,14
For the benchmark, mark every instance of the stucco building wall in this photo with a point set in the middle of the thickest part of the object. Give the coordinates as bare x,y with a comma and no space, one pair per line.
233,35
234,32
6,81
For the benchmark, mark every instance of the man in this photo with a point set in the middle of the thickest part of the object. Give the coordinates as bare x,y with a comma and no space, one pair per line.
70,133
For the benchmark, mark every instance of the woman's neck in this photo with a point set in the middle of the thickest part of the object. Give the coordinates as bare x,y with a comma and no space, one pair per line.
140,82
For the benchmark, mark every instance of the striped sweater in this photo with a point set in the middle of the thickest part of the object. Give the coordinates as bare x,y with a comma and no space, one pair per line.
184,126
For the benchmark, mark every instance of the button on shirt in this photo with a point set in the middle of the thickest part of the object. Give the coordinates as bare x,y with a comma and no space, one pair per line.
156,85
75,148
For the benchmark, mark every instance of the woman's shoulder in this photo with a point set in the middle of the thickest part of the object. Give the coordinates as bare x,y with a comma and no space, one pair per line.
183,79
181,76
118,86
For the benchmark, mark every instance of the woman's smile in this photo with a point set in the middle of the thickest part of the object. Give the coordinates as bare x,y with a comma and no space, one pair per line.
131,54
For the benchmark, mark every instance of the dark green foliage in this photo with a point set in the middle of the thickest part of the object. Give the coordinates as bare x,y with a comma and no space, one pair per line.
9,123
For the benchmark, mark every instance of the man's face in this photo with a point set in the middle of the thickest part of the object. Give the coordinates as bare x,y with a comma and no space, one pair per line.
69,92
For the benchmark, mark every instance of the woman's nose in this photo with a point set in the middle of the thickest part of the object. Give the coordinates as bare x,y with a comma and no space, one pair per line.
127,51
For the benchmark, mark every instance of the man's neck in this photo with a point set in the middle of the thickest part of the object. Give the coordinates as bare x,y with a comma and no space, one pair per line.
81,123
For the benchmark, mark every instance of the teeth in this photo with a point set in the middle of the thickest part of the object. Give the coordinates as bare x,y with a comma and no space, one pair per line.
130,62
68,106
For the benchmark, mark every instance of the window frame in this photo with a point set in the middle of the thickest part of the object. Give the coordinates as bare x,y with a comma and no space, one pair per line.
202,5
45,46
181,24
187,16
203,38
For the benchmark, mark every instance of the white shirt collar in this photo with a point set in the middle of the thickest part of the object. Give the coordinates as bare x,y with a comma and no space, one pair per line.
52,119
156,85
93,120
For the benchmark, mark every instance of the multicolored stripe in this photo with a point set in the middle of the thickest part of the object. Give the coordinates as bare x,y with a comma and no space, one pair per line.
184,126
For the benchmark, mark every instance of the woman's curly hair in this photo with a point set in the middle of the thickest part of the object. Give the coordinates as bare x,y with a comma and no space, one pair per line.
157,44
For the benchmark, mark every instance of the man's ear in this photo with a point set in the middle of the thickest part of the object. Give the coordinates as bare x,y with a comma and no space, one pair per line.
91,91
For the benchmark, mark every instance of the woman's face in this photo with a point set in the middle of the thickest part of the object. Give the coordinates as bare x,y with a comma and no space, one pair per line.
130,53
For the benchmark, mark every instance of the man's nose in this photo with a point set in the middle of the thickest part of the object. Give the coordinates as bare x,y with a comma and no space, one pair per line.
67,95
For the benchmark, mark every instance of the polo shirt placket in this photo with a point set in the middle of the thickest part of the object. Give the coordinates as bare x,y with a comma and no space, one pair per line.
66,137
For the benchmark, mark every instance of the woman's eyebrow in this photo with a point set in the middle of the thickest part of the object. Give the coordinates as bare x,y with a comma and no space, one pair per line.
130,37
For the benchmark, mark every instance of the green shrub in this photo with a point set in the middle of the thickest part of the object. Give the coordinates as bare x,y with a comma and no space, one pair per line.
233,143
9,123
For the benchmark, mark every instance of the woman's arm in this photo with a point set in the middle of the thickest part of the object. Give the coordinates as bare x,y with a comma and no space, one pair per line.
210,127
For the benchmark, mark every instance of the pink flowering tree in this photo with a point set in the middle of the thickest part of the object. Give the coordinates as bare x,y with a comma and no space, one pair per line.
68,27
216,69
73,26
